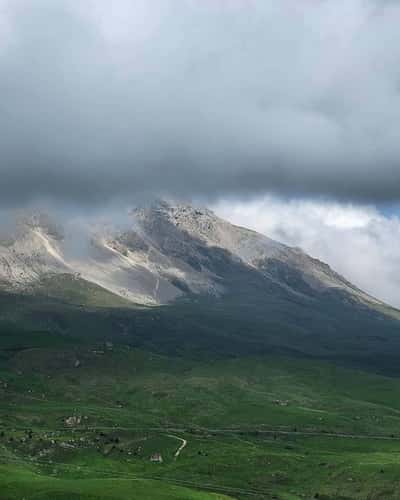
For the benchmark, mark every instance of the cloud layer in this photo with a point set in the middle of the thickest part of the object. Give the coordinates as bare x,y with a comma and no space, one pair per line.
357,241
102,100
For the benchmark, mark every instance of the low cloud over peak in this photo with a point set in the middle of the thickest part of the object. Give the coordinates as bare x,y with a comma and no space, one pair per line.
358,241
105,100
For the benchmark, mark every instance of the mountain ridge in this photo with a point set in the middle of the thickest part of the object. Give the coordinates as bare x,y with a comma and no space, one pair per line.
181,281
168,251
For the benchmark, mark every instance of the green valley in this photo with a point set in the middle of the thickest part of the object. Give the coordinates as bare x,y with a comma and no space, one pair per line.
85,423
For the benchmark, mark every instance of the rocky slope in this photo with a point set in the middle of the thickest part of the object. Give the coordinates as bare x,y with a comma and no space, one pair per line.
168,251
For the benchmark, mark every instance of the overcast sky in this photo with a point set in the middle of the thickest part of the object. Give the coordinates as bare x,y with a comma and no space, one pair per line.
258,100
103,99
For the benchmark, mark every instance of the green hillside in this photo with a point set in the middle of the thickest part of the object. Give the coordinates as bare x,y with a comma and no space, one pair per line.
247,320
240,396
255,427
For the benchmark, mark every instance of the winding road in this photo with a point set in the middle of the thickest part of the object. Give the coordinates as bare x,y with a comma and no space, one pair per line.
181,447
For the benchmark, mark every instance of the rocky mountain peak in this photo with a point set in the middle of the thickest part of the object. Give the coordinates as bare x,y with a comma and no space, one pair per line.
169,250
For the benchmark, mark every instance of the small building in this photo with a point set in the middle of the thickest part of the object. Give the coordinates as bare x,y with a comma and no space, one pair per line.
156,458
72,421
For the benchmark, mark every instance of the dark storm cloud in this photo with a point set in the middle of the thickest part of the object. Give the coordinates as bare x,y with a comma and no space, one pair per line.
102,100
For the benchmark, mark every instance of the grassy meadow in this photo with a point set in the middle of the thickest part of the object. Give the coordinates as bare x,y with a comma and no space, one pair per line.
84,423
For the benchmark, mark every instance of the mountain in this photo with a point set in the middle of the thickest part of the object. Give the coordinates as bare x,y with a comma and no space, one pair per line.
169,251
180,356
179,279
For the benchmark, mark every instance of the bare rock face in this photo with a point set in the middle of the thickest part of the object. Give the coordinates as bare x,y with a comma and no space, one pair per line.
33,250
169,251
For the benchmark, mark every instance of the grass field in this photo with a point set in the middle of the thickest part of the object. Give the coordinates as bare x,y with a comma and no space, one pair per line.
257,427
